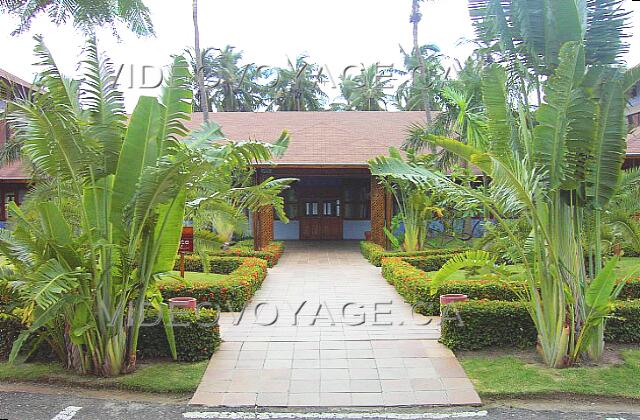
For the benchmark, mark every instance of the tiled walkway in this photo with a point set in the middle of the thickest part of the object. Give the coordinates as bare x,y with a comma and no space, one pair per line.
326,329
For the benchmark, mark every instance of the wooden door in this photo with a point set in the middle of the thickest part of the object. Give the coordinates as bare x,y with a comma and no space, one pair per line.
321,219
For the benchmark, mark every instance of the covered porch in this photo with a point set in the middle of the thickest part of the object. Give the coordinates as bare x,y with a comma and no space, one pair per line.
327,203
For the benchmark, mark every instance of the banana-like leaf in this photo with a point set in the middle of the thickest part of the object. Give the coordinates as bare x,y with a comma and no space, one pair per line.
598,294
175,104
494,93
609,145
142,131
168,231
631,78
464,151
551,150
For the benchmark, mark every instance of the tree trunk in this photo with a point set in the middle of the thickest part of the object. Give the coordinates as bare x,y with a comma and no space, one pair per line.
204,102
415,20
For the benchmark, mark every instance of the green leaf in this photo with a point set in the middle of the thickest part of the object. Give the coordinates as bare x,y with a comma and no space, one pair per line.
598,293
494,93
551,134
142,131
168,231
472,258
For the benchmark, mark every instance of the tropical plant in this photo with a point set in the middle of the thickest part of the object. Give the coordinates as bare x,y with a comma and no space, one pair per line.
552,165
232,87
85,14
366,90
418,205
423,82
297,87
88,269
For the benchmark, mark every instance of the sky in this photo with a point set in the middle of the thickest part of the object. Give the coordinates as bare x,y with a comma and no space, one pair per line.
334,33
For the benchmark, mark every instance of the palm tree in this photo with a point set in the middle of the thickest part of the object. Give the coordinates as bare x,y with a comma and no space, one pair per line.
554,166
297,87
415,19
204,100
366,91
235,87
410,95
85,14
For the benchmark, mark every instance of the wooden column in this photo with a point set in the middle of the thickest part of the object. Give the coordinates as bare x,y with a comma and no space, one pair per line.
378,212
262,227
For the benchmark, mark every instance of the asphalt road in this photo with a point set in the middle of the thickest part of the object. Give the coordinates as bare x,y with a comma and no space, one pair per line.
35,406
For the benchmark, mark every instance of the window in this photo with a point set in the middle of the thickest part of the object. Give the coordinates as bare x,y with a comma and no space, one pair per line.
331,208
357,200
311,208
290,204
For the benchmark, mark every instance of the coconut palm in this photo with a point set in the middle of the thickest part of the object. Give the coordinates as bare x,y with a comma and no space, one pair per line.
199,71
415,19
233,87
366,91
85,14
427,76
89,269
297,87
554,165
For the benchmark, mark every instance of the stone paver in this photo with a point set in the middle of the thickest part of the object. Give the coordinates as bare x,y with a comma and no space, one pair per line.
326,329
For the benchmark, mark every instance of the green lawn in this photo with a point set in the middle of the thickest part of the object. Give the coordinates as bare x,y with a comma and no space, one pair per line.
627,266
512,376
203,277
158,377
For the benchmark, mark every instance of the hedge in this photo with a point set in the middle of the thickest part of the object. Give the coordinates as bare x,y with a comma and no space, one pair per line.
10,327
271,253
197,335
413,285
217,265
374,253
475,325
228,294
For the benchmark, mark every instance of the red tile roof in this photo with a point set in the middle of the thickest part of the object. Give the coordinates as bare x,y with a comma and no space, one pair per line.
633,142
317,138
320,138
14,171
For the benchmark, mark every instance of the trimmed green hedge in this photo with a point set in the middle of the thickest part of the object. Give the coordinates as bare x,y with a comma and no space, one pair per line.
374,253
413,285
271,253
217,265
229,294
197,335
475,325
624,325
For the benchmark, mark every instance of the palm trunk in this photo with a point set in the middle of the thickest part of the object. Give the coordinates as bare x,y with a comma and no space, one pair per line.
415,20
204,103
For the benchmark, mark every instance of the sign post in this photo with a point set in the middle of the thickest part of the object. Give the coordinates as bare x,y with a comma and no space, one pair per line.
186,245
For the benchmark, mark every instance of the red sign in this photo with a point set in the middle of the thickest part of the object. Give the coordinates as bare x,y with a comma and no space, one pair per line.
186,240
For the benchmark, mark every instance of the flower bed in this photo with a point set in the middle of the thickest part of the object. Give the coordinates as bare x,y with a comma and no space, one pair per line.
227,294
374,253
475,325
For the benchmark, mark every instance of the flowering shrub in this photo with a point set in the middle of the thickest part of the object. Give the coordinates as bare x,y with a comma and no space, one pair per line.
271,253
227,294
412,284
374,253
